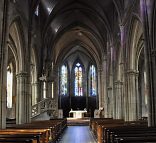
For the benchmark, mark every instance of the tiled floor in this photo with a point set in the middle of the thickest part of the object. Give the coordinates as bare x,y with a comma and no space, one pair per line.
77,134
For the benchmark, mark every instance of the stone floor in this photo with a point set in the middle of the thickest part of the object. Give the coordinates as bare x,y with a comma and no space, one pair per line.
77,134
78,121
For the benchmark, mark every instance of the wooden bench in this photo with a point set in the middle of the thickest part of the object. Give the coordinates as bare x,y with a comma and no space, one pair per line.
139,139
52,128
130,132
110,131
56,126
34,138
17,140
100,127
104,121
94,120
36,134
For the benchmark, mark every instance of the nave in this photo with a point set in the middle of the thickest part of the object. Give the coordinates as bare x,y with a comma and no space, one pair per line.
77,134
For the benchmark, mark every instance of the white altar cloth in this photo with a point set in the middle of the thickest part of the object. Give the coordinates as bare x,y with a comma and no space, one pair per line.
78,113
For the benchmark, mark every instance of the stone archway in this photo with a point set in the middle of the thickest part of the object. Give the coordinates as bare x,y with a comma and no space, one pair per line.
16,43
135,70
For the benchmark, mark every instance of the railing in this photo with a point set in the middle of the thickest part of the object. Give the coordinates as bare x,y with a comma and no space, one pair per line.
47,104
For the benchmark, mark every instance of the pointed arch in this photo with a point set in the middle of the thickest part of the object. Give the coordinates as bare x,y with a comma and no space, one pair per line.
17,40
78,76
64,80
135,42
92,80
9,85
17,45
78,70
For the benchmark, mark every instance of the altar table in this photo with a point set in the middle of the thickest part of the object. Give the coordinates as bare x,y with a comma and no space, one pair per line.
78,113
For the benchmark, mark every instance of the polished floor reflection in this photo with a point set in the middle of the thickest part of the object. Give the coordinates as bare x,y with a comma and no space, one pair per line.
77,134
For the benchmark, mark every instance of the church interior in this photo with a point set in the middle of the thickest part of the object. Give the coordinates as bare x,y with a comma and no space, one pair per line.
85,59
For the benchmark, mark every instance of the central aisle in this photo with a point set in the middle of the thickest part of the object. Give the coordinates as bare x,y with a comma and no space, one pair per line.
77,134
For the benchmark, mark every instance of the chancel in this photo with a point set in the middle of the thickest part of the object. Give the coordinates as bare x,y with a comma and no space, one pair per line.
77,113
77,62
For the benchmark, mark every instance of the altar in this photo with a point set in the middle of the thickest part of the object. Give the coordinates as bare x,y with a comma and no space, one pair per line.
77,113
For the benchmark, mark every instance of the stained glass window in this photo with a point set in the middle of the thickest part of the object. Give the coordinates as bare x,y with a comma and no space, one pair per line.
63,81
92,81
78,80
9,87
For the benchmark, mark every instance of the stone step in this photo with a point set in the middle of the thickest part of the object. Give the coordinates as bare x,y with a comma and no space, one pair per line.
78,121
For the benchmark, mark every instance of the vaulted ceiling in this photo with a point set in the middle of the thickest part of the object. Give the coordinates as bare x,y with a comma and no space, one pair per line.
68,23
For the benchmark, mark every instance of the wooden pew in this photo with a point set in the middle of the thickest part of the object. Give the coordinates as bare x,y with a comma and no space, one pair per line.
135,131
103,121
53,128
57,126
101,131
94,120
17,140
110,131
139,139
38,135
34,138
100,127
36,132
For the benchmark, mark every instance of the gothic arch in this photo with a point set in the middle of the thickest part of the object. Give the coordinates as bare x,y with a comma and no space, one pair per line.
17,39
11,81
134,44
136,71
20,51
15,57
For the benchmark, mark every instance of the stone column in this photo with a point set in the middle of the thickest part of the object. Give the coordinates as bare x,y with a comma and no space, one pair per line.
138,100
100,87
110,88
132,92
110,102
23,100
118,100
49,89
119,85
122,51
145,12
35,87
4,20
44,88
55,81
104,87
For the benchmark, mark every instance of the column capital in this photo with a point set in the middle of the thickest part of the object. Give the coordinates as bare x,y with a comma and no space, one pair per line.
132,72
100,69
118,82
109,88
35,83
104,58
122,26
121,63
22,74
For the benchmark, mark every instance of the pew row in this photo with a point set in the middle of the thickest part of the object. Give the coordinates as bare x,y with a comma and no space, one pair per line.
34,132
102,128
